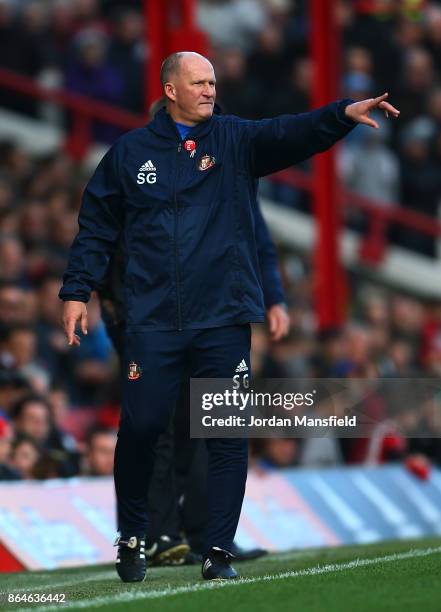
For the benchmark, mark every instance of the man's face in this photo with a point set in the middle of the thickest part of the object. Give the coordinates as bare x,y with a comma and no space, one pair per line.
101,453
34,421
193,89
24,458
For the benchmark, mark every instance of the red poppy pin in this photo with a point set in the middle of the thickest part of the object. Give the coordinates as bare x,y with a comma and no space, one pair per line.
190,146
206,161
134,371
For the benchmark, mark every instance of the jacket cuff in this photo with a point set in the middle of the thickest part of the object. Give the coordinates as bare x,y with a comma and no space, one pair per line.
66,297
275,299
341,107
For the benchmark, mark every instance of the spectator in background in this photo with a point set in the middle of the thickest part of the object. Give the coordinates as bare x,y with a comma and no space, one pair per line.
417,78
100,450
375,310
7,472
60,32
370,168
358,60
322,451
12,262
127,55
6,196
407,316
16,165
231,23
59,404
90,74
56,171
401,359
32,417
51,347
279,453
268,64
434,106
12,388
238,91
433,40
12,307
295,97
421,182
91,364
20,52
330,358
34,224
18,351
25,454
358,347
430,355
63,229
88,16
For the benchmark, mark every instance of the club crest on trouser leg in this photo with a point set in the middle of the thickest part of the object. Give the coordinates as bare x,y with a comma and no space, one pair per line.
206,161
135,371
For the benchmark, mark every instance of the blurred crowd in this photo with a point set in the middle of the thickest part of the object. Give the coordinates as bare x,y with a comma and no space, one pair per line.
59,408
97,48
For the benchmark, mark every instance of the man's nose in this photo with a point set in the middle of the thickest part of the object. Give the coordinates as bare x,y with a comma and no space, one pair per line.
208,91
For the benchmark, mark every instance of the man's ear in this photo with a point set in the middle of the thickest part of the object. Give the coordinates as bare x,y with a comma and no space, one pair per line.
170,91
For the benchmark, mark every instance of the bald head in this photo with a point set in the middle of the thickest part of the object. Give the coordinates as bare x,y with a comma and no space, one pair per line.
172,64
189,87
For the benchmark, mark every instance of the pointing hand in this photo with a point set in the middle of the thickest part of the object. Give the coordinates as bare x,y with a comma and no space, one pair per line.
359,111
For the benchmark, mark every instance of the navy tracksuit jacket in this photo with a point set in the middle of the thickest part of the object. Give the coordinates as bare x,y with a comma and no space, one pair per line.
111,292
187,222
192,282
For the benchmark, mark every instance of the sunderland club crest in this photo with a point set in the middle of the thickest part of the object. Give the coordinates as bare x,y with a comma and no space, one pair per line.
206,161
134,371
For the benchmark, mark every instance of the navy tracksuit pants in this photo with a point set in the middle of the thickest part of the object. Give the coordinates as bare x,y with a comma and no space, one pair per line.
158,362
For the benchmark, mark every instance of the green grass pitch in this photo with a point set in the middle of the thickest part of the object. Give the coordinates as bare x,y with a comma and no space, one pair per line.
390,576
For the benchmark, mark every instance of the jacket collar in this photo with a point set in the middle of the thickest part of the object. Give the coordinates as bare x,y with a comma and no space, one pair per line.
164,126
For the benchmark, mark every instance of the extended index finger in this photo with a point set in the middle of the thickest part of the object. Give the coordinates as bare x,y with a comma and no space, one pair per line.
379,99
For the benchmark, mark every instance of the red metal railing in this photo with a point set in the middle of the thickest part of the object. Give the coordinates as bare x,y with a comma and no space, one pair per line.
391,212
380,214
85,110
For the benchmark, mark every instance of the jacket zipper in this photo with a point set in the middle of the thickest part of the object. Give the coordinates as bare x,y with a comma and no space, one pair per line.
175,236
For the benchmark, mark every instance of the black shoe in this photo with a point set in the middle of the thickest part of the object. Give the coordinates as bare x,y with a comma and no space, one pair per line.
242,554
192,558
131,563
217,566
167,551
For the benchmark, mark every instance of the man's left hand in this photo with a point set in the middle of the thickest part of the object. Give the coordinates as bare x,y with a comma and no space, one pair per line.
359,111
278,321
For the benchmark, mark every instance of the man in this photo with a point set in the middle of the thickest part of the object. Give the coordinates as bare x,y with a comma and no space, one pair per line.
174,450
100,449
180,192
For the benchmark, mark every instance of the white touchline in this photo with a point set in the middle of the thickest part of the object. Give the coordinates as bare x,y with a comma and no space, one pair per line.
51,586
97,602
